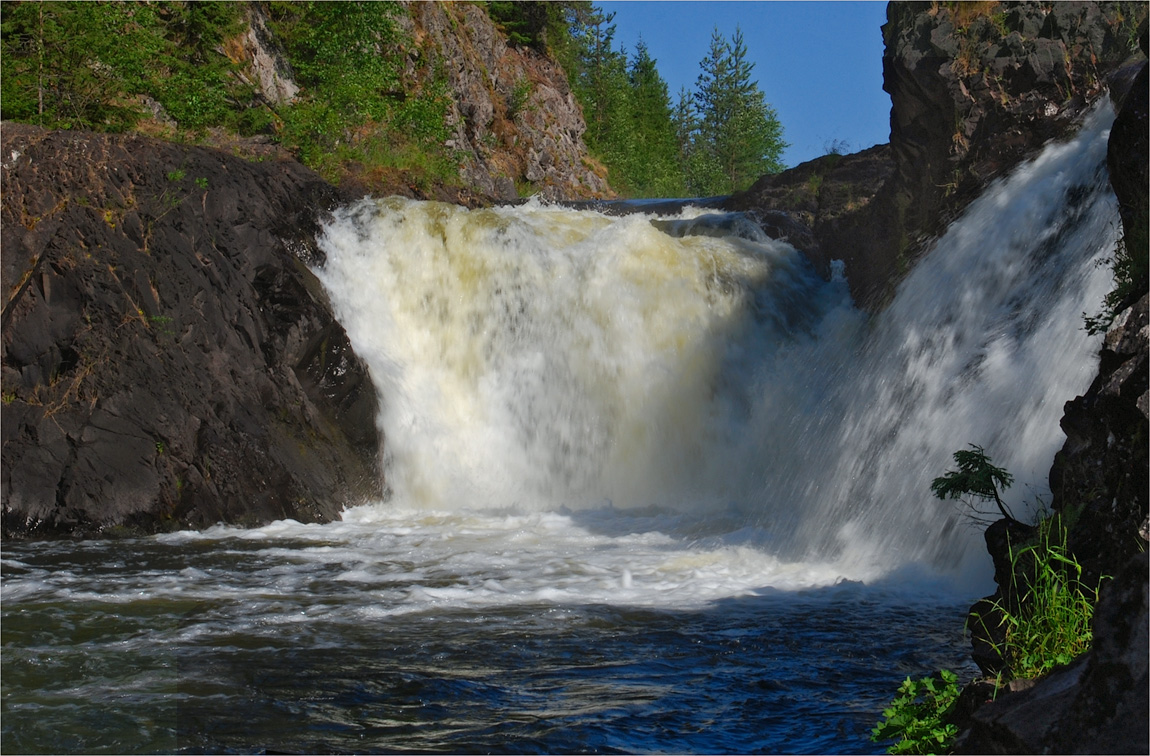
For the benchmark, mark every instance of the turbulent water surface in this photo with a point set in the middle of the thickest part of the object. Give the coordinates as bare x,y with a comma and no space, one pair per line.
653,486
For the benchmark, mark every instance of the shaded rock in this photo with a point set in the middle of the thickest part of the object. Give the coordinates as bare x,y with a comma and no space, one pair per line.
1127,161
814,206
168,359
1099,484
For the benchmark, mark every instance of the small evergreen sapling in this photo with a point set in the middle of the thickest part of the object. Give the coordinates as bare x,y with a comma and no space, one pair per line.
975,477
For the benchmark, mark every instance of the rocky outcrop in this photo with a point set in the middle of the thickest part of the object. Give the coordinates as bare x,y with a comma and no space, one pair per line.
815,206
168,359
517,127
269,69
975,89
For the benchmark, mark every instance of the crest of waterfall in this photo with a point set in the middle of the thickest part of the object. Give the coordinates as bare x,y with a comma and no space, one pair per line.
535,358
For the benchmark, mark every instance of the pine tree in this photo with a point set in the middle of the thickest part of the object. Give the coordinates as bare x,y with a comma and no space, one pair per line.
655,170
739,137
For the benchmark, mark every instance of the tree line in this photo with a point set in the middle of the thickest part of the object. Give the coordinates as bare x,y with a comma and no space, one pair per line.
714,140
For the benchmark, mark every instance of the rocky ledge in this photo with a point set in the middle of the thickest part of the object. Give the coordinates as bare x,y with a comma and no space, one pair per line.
168,358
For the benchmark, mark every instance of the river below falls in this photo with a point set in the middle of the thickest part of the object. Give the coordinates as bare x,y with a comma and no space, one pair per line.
462,632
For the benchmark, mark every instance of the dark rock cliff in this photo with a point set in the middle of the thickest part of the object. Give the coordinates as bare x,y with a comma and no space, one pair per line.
169,361
1101,488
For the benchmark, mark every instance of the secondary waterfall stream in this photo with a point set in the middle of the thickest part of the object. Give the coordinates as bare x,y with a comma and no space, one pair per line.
646,492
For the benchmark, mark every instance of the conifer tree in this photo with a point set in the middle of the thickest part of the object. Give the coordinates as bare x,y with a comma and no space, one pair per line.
739,137
655,170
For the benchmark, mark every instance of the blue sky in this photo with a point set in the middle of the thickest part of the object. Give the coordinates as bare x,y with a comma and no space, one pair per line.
819,64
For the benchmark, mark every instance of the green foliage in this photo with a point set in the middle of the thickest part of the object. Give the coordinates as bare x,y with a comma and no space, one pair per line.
87,64
917,717
1051,625
519,96
975,477
627,110
1131,266
353,106
93,64
539,25
738,137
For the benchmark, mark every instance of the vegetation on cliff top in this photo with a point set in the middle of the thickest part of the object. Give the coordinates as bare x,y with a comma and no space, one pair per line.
176,70
179,70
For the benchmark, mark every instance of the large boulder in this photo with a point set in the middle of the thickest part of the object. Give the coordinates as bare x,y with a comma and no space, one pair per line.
168,359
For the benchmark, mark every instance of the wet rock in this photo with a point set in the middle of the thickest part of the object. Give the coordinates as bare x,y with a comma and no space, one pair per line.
169,361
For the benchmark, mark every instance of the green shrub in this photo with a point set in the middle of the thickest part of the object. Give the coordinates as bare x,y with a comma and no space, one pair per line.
1131,266
85,64
917,717
353,106
976,480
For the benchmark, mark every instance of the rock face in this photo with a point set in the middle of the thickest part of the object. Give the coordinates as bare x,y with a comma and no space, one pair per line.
516,123
816,206
974,91
168,360
975,88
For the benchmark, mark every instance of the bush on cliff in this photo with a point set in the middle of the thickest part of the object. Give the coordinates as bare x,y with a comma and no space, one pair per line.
95,65
354,105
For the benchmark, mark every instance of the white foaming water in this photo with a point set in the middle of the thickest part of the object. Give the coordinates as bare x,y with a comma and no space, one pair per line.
537,360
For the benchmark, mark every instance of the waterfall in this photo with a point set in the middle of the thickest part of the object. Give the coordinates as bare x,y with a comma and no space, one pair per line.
536,358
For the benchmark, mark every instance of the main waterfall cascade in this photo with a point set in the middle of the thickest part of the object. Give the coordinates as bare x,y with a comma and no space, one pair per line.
535,359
